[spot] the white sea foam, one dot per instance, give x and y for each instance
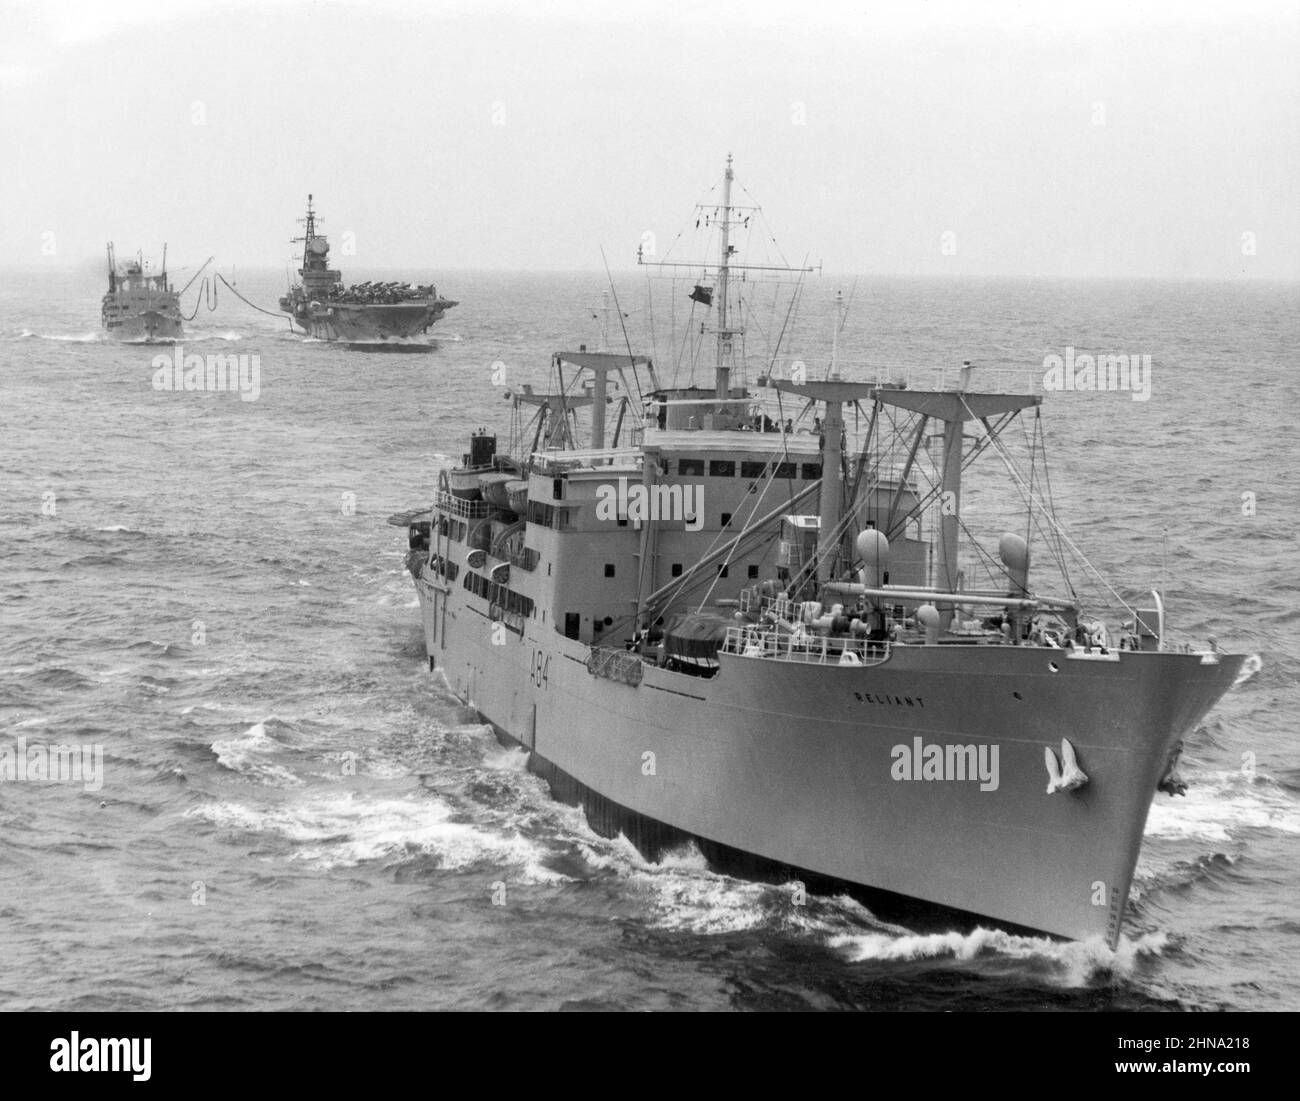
(1218, 806)
(344, 830)
(707, 904)
(682, 894)
(1249, 668)
(686, 896)
(1075, 963)
(507, 758)
(248, 753)
(209, 334)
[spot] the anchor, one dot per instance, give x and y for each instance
(1172, 783)
(1072, 777)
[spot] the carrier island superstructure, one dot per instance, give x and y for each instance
(705, 623)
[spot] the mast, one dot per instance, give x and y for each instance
(718, 296)
(832, 491)
(601, 314)
(949, 513)
(309, 234)
(649, 549)
(834, 371)
(724, 334)
(951, 409)
(834, 394)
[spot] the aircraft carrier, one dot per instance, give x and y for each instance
(390, 314)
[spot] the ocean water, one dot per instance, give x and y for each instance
(295, 814)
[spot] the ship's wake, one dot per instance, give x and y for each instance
(469, 806)
(346, 829)
(198, 336)
(62, 338)
(340, 810)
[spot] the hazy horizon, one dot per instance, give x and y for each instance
(1096, 140)
(188, 264)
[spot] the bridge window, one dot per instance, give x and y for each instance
(812, 471)
(722, 468)
(752, 469)
(690, 468)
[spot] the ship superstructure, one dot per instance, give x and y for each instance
(371, 314)
(717, 613)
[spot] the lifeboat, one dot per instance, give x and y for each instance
(517, 493)
(493, 488)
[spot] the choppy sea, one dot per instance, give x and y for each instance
(295, 814)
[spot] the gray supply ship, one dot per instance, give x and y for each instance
(140, 307)
(366, 314)
(711, 623)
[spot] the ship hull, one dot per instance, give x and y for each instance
(146, 327)
(653, 839)
(798, 764)
(371, 324)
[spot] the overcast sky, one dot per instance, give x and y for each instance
(1092, 139)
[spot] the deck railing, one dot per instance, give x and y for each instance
(557, 462)
(458, 506)
(980, 378)
(758, 642)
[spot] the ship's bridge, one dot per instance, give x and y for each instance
(704, 440)
(554, 464)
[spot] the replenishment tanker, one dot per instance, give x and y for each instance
(372, 314)
(140, 306)
(734, 620)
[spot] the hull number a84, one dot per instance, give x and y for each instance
(540, 671)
